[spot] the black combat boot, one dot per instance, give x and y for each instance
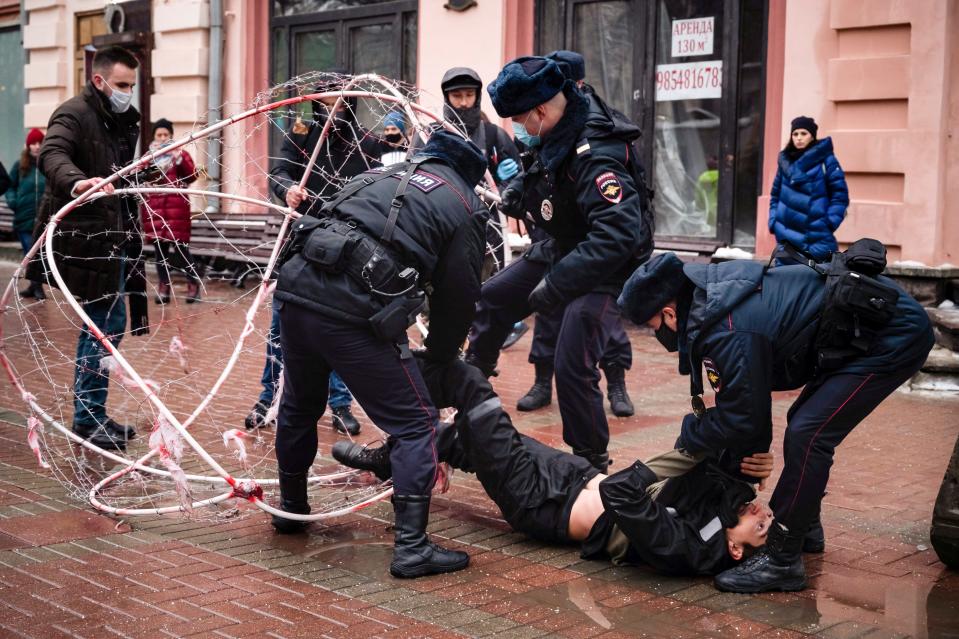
(815, 539)
(344, 422)
(487, 368)
(599, 461)
(776, 566)
(541, 394)
(292, 500)
(616, 392)
(376, 460)
(414, 555)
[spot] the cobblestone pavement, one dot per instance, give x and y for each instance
(66, 571)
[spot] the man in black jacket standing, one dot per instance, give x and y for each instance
(583, 189)
(97, 246)
(755, 331)
(354, 284)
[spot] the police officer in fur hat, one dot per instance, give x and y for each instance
(583, 189)
(755, 331)
(357, 277)
(618, 356)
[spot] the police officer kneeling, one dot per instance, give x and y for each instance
(851, 337)
(354, 284)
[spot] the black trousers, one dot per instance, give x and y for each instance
(584, 334)
(826, 411)
(390, 389)
(176, 254)
(618, 353)
(533, 485)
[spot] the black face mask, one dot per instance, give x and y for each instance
(667, 337)
(393, 138)
(469, 117)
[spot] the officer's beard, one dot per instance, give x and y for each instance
(468, 118)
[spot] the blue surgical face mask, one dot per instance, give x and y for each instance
(524, 136)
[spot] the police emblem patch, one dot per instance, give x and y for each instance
(546, 210)
(712, 374)
(609, 187)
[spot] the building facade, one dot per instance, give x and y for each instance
(713, 84)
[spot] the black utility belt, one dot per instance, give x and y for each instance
(335, 246)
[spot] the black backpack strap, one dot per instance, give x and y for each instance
(801, 257)
(357, 185)
(397, 203)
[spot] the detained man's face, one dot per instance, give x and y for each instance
(755, 518)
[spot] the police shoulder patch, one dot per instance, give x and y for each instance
(422, 180)
(712, 374)
(609, 187)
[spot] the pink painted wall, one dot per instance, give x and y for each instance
(880, 78)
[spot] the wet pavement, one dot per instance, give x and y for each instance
(68, 571)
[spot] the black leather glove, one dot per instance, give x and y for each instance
(545, 298)
(511, 201)
(488, 370)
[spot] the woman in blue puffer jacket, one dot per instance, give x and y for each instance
(809, 196)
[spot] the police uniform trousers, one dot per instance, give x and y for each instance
(618, 353)
(827, 410)
(534, 485)
(389, 388)
(587, 324)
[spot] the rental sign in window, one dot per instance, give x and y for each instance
(690, 80)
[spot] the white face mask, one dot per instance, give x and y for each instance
(119, 100)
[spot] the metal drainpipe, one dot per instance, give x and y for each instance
(215, 93)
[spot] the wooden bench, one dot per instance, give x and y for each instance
(232, 246)
(6, 217)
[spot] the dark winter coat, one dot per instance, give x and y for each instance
(24, 196)
(167, 216)
(347, 151)
(584, 188)
(754, 331)
(679, 532)
(808, 200)
(440, 232)
(86, 139)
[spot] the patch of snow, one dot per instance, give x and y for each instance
(731, 253)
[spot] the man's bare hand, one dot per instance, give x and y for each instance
(295, 196)
(85, 185)
(758, 465)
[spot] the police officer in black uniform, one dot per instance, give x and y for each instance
(755, 331)
(354, 284)
(618, 356)
(582, 188)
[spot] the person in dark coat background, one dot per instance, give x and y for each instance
(26, 188)
(166, 216)
(97, 247)
(809, 196)
(348, 150)
(755, 331)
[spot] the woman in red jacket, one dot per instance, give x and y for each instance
(166, 217)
